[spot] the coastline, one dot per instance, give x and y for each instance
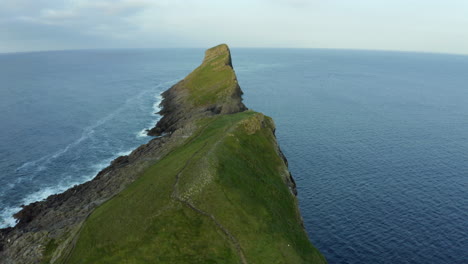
(93, 168)
(60, 218)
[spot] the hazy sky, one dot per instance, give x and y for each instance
(414, 25)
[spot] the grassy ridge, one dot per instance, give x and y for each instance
(214, 81)
(219, 198)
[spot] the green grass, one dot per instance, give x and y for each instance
(212, 82)
(229, 169)
(48, 251)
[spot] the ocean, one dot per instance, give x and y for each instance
(376, 141)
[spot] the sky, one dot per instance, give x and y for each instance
(404, 25)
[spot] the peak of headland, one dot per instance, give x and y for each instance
(221, 51)
(211, 89)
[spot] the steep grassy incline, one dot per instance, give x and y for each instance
(214, 81)
(221, 197)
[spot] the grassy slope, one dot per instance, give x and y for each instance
(229, 170)
(213, 81)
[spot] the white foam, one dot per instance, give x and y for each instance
(29, 164)
(142, 133)
(125, 153)
(6, 216)
(99, 166)
(156, 108)
(41, 163)
(43, 194)
(89, 131)
(86, 134)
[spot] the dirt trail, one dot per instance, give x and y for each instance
(175, 196)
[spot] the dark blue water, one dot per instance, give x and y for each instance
(65, 115)
(377, 141)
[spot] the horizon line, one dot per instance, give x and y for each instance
(237, 47)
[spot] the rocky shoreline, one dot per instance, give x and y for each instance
(63, 213)
(59, 218)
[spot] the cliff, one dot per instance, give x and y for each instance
(214, 188)
(211, 89)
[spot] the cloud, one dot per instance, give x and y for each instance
(296, 3)
(70, 24)
(80, 11)
(94, 21)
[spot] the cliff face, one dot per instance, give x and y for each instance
(214, 188)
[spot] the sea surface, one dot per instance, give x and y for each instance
(377, 141)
